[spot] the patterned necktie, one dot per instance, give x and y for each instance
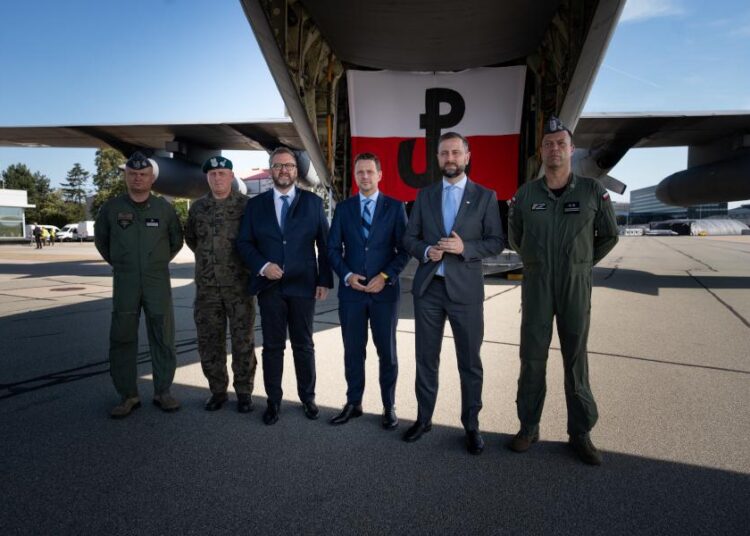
(367, 218)
(284, 211)
(449, 208)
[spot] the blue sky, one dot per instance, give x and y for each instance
(158, 61)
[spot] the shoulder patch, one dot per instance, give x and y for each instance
(605, 196)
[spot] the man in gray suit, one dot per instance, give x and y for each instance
(454, 224)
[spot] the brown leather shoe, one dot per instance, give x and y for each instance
(125, 408)
(523, 441)
(166, 402)
(585, 449)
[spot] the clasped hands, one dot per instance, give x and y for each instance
(452, 244)
(375, 285)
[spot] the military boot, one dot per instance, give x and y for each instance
(585, 449)
(125, 407)
(166, 402)
(523, 441)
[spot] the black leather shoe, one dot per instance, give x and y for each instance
(474, 442)
(215, 402)
(350, 411)
(416, 431)
(271, 415)
(389, 420)
(311, 409)
(244, 403)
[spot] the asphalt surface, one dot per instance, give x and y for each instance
(670, 369)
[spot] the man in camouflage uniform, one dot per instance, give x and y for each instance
(138, 234)
(221, 283)
(561, 225)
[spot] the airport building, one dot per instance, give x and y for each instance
(12, 217)
(645, 207)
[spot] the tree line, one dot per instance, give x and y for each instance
(68, 203)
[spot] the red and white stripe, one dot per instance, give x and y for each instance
(384, 110)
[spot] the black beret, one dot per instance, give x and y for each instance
(138, 161)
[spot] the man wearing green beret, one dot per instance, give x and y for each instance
(221, 283)
(138, 234)
(561, 225)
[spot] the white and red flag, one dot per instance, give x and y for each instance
(399, 115)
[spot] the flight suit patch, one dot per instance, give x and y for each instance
(152, 222)
(539, 206)
(124, 219)
(572, 207)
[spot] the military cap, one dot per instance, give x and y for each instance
(217, 162)
(138, 160)
(553, 124)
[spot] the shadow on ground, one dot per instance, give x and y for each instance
(196, 472)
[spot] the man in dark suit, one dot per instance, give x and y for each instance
(365, 250)
(454, 224)
(277, 241)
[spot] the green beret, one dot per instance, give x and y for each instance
(216, 162)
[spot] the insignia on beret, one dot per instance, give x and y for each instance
(138, 161)
(217, 162)
(553, 124)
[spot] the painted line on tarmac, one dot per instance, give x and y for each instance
(725, 304)
(688, 256)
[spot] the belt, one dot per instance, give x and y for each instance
(439, 277)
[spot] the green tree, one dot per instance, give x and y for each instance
(107, 180)
(74, 189)
(181, 207)
(58, 212)
(19, 177)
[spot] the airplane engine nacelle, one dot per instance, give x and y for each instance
(177, 178)
(727, 180)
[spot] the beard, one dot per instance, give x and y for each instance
(282, 181)
(452, 170)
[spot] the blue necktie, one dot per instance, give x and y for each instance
(449, 208)
(284, 211)
(366, 218)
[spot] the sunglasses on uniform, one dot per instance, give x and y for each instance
(287, 167)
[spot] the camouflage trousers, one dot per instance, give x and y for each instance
(212, 307)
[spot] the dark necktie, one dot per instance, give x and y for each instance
(367, 218)
(284, 211)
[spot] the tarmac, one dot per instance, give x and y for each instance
(669, 354)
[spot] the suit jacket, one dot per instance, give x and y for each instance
(382, 251)
(260, 241)
(477, 223)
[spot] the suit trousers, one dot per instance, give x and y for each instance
(467, 322)
(383, 317)
(277, 313)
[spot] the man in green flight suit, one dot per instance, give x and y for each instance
(138, 234)
(561, 225)
(221, 287)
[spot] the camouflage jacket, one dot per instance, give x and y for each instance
(211, 230)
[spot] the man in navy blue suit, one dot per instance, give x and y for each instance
(278, 236)
(365, 250)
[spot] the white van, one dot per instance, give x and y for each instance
(69, 233)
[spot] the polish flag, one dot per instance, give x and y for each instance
(395, 112)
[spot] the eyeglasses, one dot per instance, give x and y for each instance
(287, 167)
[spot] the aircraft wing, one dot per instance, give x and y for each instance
(640, 130)
(718, 144)
(262, 135)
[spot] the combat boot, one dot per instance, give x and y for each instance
(523, 441)
(585, 449)
(166, 402)
(125, 407)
